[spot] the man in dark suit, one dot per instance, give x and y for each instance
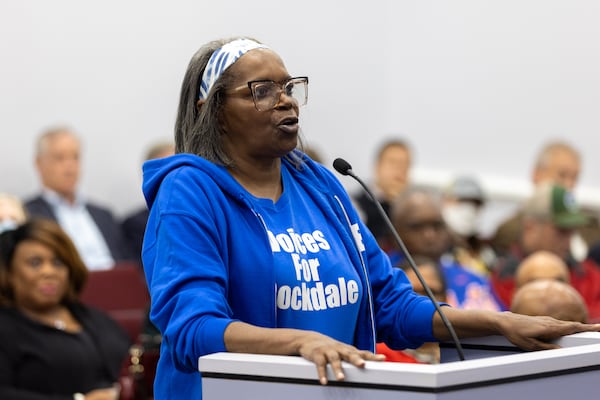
(93, 228)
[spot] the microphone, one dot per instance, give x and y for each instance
(343, 167)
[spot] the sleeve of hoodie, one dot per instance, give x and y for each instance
(402, 317)
(185, 270)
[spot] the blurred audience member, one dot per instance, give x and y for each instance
(541, 264)
(134, 224)
(463, 202)
(550, 217)
(52, 346)
(560, 163)
(93, 229)
(428, 353)
(392, 167)
(12, 212)
(417, 216)
(551, 298)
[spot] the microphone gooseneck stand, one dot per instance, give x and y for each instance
(343, 167)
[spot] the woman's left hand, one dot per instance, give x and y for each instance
(537, 333)
(526, 332)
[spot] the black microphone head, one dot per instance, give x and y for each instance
(342, 166)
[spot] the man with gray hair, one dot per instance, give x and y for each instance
(93, 229)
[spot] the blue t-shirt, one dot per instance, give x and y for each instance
(464, 288)
(317, 286)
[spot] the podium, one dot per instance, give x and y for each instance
(493, 369)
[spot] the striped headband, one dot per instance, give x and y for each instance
(222, 59)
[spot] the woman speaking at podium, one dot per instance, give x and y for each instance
(253, 247)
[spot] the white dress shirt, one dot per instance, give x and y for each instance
(77, 222)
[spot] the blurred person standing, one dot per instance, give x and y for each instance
(93, 228)
(392, 167)
(52, 345)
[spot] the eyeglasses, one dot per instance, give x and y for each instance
(436, 225)
(267, 93)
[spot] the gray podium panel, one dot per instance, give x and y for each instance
(493, 369)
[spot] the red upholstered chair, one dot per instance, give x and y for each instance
(122, 293)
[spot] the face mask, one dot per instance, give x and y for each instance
(462, 218)
(8, 225)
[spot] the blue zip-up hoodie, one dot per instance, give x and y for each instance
(208, 262)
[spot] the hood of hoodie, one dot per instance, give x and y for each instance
(155, 171)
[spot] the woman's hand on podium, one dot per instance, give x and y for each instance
(537, 333)
(323, 350)
(526, 332)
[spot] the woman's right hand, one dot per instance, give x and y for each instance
(323, 350)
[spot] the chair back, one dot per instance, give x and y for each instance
(122, 293)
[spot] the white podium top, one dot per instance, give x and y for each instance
(579, 353)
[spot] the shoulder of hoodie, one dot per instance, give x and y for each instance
(183, 167)
(192, 166)
(178, 162)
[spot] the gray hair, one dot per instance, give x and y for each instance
(47, 135)
(198, 131)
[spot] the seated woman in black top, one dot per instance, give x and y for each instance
(51, 345)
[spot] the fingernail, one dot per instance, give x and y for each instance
(340, 375)
(323, 381)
